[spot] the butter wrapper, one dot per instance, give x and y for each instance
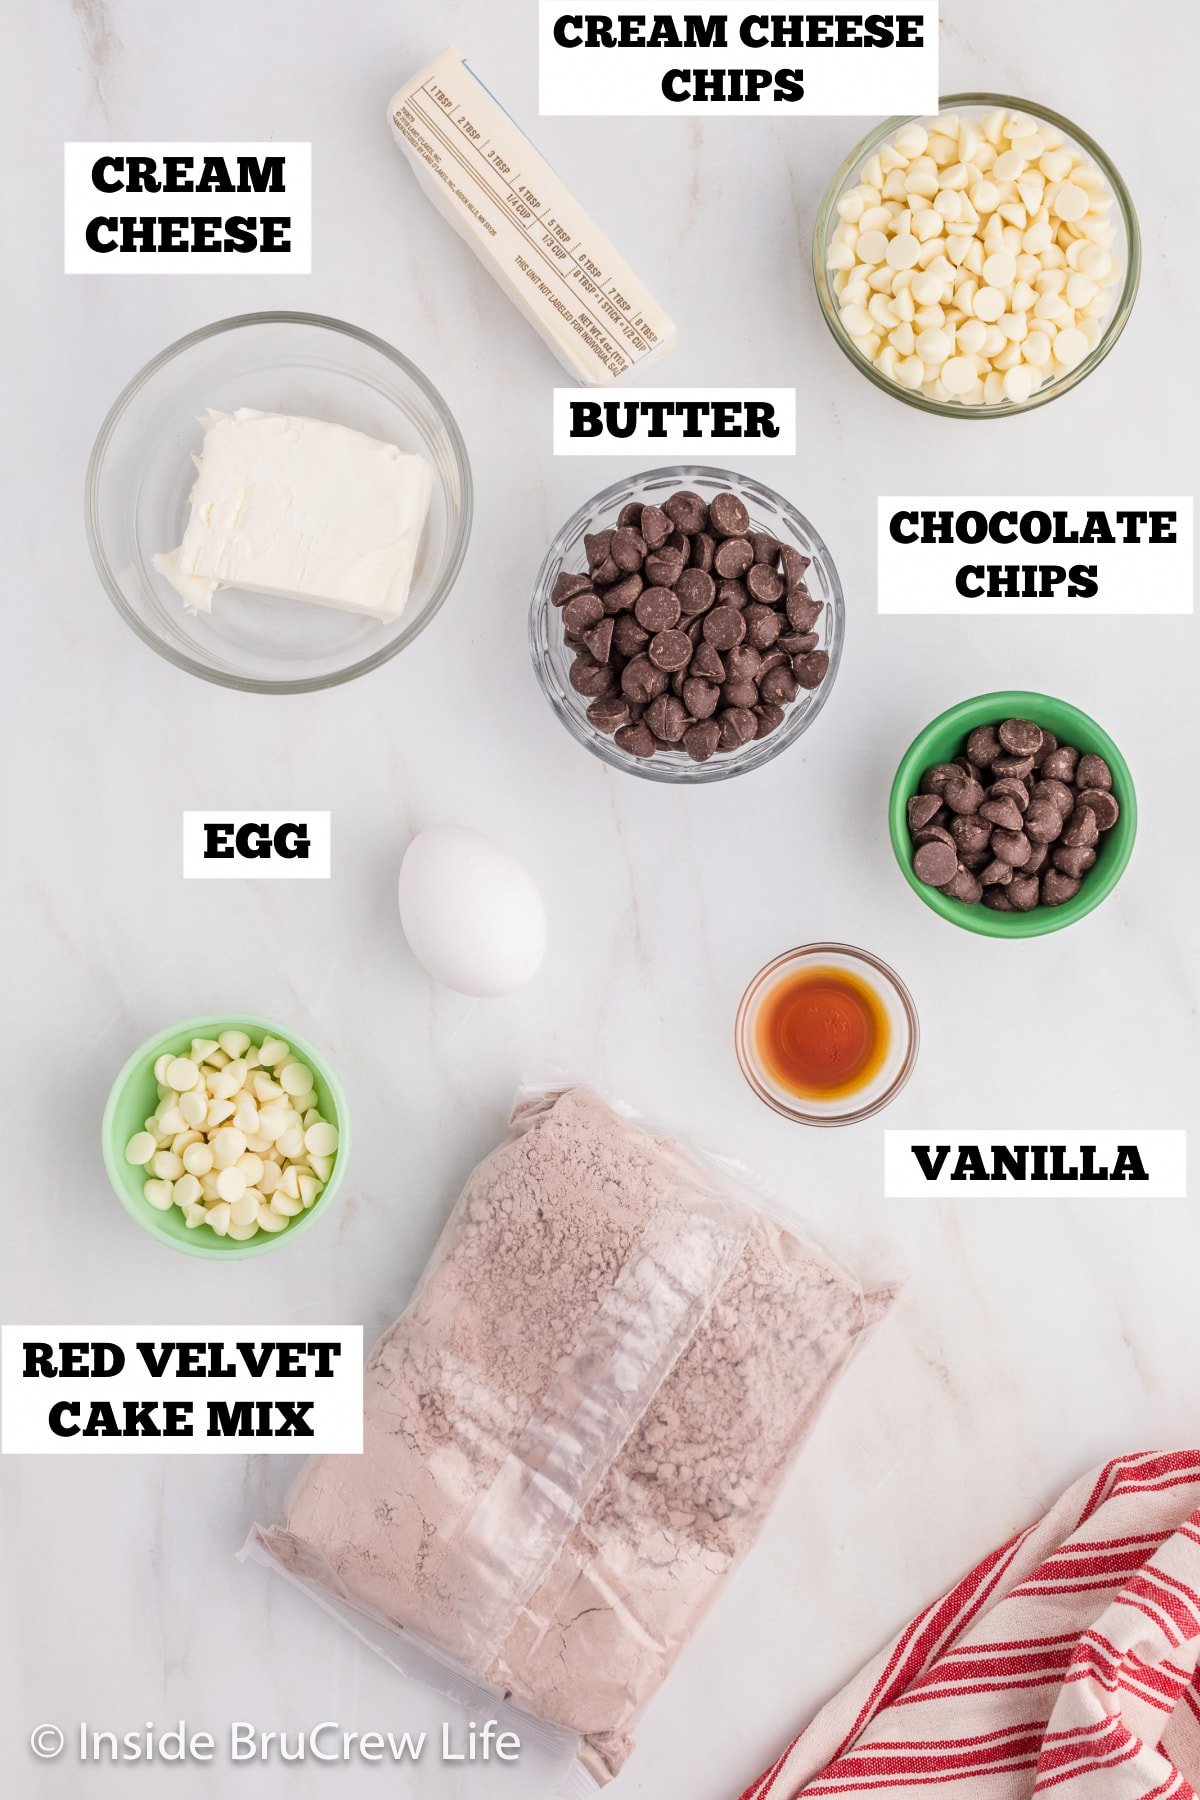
(527, 229)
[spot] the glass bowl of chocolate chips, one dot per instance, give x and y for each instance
(687, 624)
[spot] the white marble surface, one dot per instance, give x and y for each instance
(1033, 1340)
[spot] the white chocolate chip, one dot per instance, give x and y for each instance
(295, 1078)
(198, 1160)
(140, 1148)
(227, 1145)
(322, 1139)
(911, 140)
(1018, 382)
(1070, 202)
(193, 1106)
(186, 1192)
(291, 1141)
(244, 1210)
(959, 375)
(933, 346)
(182, 1074)
(231, 1184)
(245, 1115)
(1070, 347)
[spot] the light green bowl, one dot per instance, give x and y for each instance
(944, 739)
(133, 1098)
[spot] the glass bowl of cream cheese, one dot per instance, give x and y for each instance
(278, 502)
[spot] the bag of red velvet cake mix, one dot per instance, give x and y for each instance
(575, 1429)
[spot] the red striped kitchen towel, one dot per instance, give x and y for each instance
(1067, 1660)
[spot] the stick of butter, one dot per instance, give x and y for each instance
(526, 228)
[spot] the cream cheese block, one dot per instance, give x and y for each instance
(301, 509)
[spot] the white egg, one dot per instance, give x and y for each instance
(473, 917)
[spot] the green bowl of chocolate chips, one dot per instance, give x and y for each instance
(944, 739)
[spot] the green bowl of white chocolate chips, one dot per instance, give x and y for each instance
(980, 262)
(226, 1136)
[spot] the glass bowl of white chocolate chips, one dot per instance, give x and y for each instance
(978, 263)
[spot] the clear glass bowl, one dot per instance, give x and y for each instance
(141, 473)
(903, 1043)
(1127, 248)
(769, 512)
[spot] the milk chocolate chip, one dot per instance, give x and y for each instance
(686, 511)
(608, 714)
(641, 681)
(778, 687)
(599, 640)
(701, 697)
(657, 609)
(566, 585)
(724, 627)
(628, 549)
(733, 558)
(921, 809)
(935, 863)
(1021, 736)
(695, 591)
(764, 583)
(728, 515)
(1102, 804)
(592, 679)
(638, 740)
(670, 650)
(810, 671)
(702, 739)
(582, 611)
(983, 746)
(1057, 887)
(667, 718)
(1093, 772)
(654, 526)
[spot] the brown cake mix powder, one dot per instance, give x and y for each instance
(581, 1420)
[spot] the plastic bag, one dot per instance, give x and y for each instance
(577, 1427)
